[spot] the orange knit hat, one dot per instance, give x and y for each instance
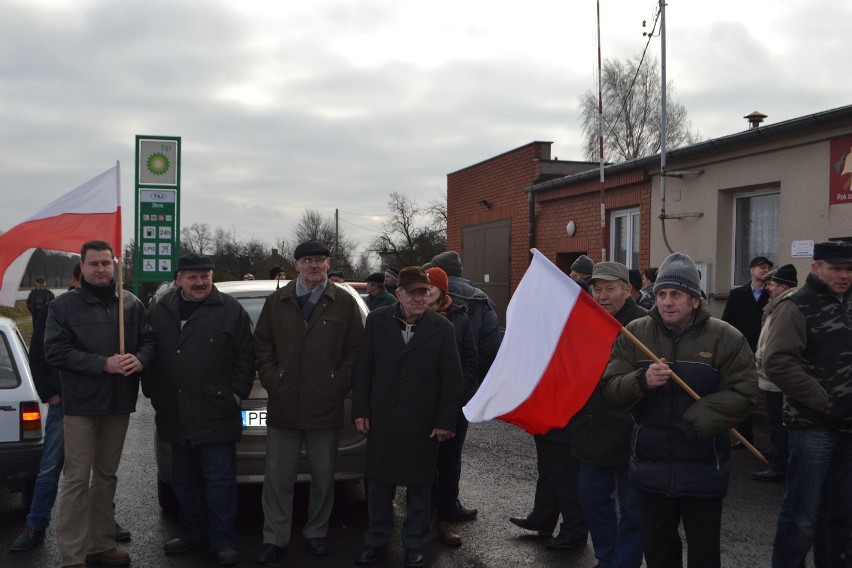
(437, 277)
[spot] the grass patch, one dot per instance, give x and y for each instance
(22, 317)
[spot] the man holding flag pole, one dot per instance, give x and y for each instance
(680, 448)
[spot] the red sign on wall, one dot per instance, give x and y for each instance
(840, 171)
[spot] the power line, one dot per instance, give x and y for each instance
(359, 226)
(364, 214)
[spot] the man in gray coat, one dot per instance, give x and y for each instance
(406, 396)
(203, 371)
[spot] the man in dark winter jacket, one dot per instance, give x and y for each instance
(378, 296)
(744, 311)
(38, 298)
(808, 355)
(600, 437)
(406, 398)
(100, 385)
(204, 369)
(680, 447)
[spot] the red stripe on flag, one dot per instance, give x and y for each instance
(574, 370)
(66, 232)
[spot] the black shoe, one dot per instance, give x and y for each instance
(269, 554)
(563, 542)
(770, 474)
(527, 523)
(414, 557)
(121, 533)
(178, 546)
(370, 555)
(460, 514)
(318, 546)
(27, 539)
(227, 556)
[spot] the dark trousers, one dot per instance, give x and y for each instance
(556, 490)
(204, 479)
(778, 451)
(702, 524)
(446, 489)
(415, 529)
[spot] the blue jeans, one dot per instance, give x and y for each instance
(817, 506)
(617, 542)
(47, 482)
(204, 479)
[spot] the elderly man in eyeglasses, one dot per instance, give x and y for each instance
(306, 342)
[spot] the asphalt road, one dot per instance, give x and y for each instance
(498, 479)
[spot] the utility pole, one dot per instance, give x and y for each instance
(337, 234)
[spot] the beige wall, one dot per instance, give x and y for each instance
(798, 167)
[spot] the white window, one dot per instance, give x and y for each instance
(624, 237)
(757, 231)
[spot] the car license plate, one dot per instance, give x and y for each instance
(254, 418)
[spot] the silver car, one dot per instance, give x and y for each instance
(251, 450)
(21, 415)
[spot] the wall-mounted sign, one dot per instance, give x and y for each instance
(802, 249)
(158, 162)
(840, 171)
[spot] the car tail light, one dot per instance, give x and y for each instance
(30, 421)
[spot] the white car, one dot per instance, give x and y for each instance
(21, 415)
(251, 449)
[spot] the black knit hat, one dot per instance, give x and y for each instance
(786, 275)
(583, 265)
(678, 271)
(635, 278)
(449, 261)
(376, 278)
(274, 272)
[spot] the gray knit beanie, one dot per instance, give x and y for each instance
(583, 265)
(678, 271)
(449, 261)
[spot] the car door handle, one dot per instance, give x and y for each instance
(7, 408)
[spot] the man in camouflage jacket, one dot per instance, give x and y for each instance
(808, 354)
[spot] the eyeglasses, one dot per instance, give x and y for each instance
(308, 260)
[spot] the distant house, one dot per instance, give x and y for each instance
(769, 190)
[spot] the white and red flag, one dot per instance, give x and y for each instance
(92, 211)
(557, 344)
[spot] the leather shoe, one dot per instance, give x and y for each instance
(121, 533)
(370, 555)
(27, 539)
(461, 514)
(414, 557)
(529, 524)
(448, 533)
(770, 474)
(318, 546)
(178, 546)
(269, 554)
(111, 557)
(227, 556)
(563, 542)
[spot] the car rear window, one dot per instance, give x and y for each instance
(253, 307)
(9, 378)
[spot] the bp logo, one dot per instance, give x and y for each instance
(158, 164)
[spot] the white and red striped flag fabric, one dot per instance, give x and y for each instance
(555, 349)
(91, 211)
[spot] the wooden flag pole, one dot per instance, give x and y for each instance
(733, 431)
(120, 285)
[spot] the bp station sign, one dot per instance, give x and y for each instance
(157, 208)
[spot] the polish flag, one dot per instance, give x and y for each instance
(557, 344)
(90, 212)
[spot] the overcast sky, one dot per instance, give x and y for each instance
(324, 104)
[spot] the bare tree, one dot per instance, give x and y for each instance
(632, 113)
(404, 241)
(197, 238)
(313, 226)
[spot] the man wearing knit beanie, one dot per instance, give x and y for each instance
(679, 462)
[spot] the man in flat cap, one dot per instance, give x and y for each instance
(808, 355)
(204, 369)
(679, 463)
(744, 311)
(306, 341)
(406, 398)
(378, 296)
(778, 282)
